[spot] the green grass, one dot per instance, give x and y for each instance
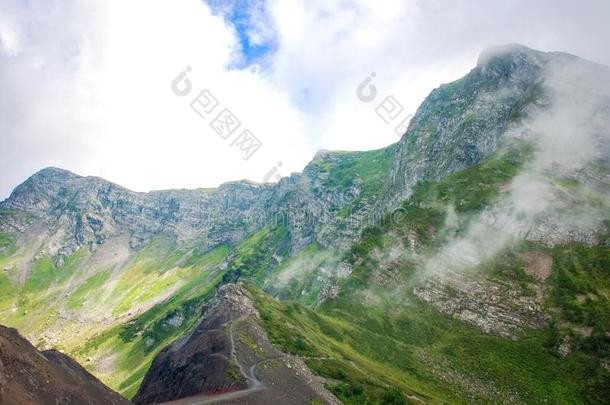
(474, 188)
(134, 345)
(7, 248)
(424, 213)
(140, 284)
(376, 348)
(400, 343)
(145, 271)
(148, 288)
(581, 270)
(210, 258)
(44, 274)
(41, 275)
(90, 287)
(341, 170)
(579, 287)
(72, 264)
(253, 259)
(298, 330)
(6, 241)
(7, 292)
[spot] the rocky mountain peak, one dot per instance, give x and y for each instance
(54, 173)
(513, 52)
(41, 191)
(462, 122)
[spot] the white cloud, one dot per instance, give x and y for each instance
(86, 85)
(111, 112)
(9, 44)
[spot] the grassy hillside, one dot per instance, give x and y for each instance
(375, 341)
(414, 349)
(379, 337)
(339, 170)
(113, 316)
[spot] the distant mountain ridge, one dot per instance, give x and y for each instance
(458, 125)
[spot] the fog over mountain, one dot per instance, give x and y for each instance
(569, 132)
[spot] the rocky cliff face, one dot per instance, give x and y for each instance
(458, 125)
(70, 211)
(461, 123)
(85, 211)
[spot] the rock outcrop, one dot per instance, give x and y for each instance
(504, 310)
(28, 376)
(228, 357)
(461, 123)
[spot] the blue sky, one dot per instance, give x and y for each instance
(253, 27)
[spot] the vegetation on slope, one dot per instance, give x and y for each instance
(340, 170)
(373, 342)
(378, 337)
(113, 320)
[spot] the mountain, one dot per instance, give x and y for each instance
(469, 262)
(28, 376)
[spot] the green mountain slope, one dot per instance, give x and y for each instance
(383, 295)
(466, 263)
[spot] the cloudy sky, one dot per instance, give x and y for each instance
(87, 85)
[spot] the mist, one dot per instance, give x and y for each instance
(570, 135)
